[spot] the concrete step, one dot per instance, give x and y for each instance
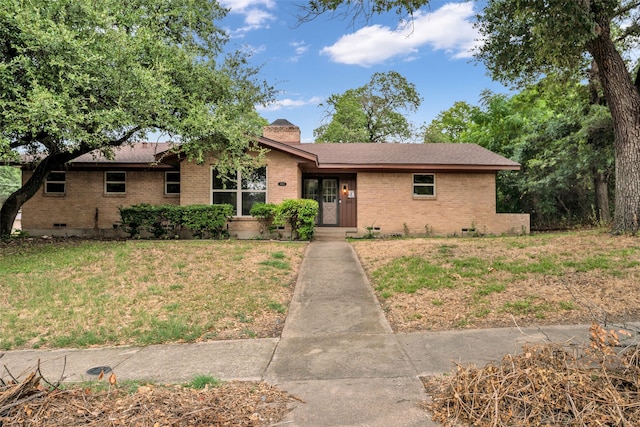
(333, 233)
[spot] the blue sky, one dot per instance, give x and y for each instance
(310, 62)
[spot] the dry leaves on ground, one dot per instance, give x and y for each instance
(545, 385)
(32, 403)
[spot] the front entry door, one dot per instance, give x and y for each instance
(329, 203)
(335, 197)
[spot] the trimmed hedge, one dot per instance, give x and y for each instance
(164, 221)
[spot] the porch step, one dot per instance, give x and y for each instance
(333, 233)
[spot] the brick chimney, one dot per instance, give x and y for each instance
(282, 130)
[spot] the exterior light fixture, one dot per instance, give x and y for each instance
(345, 189)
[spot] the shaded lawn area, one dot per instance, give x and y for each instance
(449, 283)
(75, 293)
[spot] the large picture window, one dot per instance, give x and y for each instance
(424, 185)
(115, 182)
(252, 189)
(56, 183)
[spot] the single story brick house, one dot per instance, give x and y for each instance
(440, 189)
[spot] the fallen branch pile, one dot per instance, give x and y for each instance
(29, 403)
(545, 385)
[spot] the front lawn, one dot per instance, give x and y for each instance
(448, 283)
(74, 293)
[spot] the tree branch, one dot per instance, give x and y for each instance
(627, 8)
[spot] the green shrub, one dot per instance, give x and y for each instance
(163, 221)
(206, 220)
(300, 214)
(264, 213)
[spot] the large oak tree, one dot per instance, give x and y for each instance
(525, 40)
(78, 76)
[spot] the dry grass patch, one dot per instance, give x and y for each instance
(84, 293)
(446, 283)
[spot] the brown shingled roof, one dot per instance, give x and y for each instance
(359, 156)
(141, 152)
(406, 156)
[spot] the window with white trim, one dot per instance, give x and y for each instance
(115, 182)
(424, 185)
(252, 189)
(56, 183)
(172, 182)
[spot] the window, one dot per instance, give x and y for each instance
(252, 189)
(172, 183)
(56, 183)
(115, 182)
(424, 185)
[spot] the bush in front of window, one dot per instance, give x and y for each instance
(300, 214)
(164, 221)
(206, 220)
(264, 213)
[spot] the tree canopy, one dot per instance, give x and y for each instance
(79, 76)
(371, 113)
(564, 143)
(525, 41)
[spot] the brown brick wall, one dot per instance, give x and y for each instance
(286, 134)
(463, 200)
(84, 194)
(195, 183)
(282, 168)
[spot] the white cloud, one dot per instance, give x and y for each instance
(256, 13)
(300, 48)
(448, 28)
(288, 103)
(240, 6)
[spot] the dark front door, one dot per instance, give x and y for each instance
(348, 208)
(336, 200)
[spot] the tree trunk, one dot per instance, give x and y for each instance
(624, 102)
(602, 197)
(600, 178)
(15, 201)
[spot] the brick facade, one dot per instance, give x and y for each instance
(85, 209)
(462, 201)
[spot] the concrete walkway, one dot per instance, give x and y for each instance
(337, 352)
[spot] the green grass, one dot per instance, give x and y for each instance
(277, 260)
(87, 293)
(200, 382)
(408, 274)
(490, 288)
(495, 278)
(527, 306)
(446, 269)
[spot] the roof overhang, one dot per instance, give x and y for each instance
(349, 167)
(289, 149)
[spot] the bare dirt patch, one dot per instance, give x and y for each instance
(529, 280)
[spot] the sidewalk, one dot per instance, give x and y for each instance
(337, 352)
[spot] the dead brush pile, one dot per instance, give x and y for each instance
(34, 402)
(545, 385)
